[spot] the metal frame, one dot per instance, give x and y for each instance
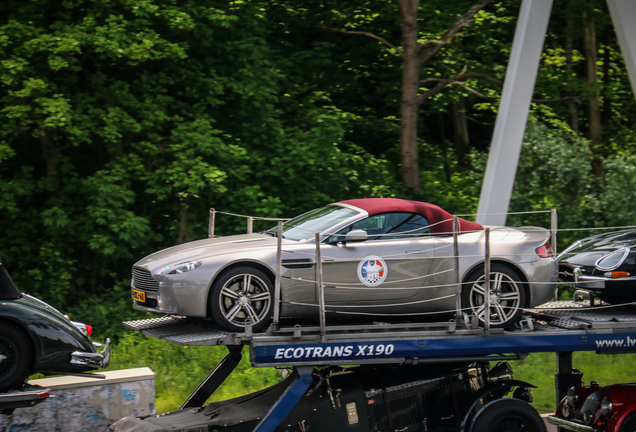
(513, 112)
(521, 75)
(287, 401)
(212, 382)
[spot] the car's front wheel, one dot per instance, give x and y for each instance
(16, 357)
(242, 296)
(507, 295)
(629, 424)
(506, 415)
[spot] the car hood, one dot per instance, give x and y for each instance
(206, 248)
(588, 251)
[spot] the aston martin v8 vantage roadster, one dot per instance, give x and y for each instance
(381, 258)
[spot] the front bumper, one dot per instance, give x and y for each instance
(575, 278)
(569, 425)
(601, 283)
(95, 360)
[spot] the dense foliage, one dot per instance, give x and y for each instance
(122, 123)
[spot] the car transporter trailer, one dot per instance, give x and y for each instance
(561, 327)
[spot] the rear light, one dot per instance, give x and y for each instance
(84, 328)
(616, 274)
(544, 251)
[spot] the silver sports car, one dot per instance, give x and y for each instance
(382, 258)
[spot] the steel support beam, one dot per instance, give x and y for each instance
(212, 382)
(623, 13)
(286, 402)
(513, 111)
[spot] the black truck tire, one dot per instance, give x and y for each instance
(505, 415)
(17, 357)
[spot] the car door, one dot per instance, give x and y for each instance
(390, 267)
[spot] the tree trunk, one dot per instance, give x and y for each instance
(183, 221)
(410, 87)
(594, 103)
(460, 128)
(442, 139)
(51, 154)
(569, 67)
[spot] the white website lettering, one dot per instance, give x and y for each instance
(625, 342)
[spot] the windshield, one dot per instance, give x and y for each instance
(305, 226)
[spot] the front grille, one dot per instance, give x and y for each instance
(142, 279)
(590, 404)
(566, 273)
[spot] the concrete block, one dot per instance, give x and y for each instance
(80, 404)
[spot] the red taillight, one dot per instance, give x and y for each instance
(89, 330)
(544, 251)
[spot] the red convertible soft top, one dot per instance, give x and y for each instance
(441, 221)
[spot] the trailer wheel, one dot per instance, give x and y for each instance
(242, 296)
(507, 295)
(17, 358)
(629, 425)
(506, 415)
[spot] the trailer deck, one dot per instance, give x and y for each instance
(560, 327)
(29, 395)
(564, 326)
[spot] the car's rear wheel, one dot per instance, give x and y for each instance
(242, 296)
(506, 415)
(629, 425)
(16, 355)
(507, 295)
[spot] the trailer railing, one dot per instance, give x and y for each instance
(319, 282)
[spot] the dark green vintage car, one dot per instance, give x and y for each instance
(36, 338)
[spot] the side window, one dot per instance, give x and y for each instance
(382, 226)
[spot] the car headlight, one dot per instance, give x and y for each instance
(566, 410)
(613, 260)
(587, 417)
(571, 397)
(606, 406)
(181, 268)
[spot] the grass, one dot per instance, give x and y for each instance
(539, 369)
(179, 369)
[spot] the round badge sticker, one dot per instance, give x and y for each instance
(372, 271)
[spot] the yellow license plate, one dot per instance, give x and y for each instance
(139, 296)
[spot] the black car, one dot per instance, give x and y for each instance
(441, 397)
(604, 264)
(36, 338)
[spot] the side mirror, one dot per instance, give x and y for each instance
(356, 236)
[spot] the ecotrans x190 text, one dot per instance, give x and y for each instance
(338, 351)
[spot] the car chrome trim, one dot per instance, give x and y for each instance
(95, 360)
(570, 425)
(598, 282)
(626, 251)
